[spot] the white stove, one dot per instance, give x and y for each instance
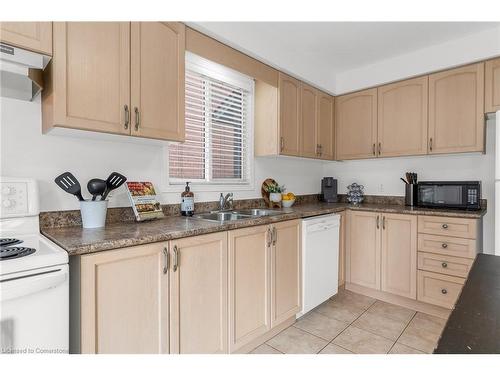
(34, 276)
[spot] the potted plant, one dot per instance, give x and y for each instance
(275, 192)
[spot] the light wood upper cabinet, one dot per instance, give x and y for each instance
(356, 125)
(325, 128)
(157, 80)
(492, 85)
(308, 122)
(34, 36)
(289, 115)
(124, 301)
(363, 249)
(249, 285)
(399, 255)
(198, 295)
(402, 118)
(118, 78)
(286, 271)
(89, 77)
(456, 110)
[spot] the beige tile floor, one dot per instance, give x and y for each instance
(351, 323)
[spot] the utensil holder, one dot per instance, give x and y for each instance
(411, 194)
(93, 213)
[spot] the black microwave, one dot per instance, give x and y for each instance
(449, 194)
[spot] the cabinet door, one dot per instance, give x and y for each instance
(289, 111)
(34, 36)
(492, 85)
(342, 248)
(157, 74)
(399, 255)
(249, 285)
(363, 249)
(456, 110)
(124, 301)
(308, 122)
(91, 76)
(356, 125)
(325, 126)
(402, 118)
(285, 272)
(198, 294)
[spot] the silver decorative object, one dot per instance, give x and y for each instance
(355, 193)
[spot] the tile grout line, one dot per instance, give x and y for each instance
(401, 334)
(267, 343)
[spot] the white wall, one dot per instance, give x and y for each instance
(25, 152)
(381, 176)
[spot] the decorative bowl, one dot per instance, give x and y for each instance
(287, 203)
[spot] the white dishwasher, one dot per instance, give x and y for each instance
(320, 260)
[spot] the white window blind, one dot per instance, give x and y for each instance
(218, 124)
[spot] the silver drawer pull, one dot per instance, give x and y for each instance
(444, 226)
(444, 245)
(444, 291)
(166, 259)
(444, 264)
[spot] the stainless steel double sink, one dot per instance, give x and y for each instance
(233, 215)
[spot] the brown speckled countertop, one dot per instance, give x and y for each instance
(76, 240)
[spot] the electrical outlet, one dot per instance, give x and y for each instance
(381, 188)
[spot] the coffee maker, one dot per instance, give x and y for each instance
(329, 190)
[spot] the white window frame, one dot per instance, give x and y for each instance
(224, 74)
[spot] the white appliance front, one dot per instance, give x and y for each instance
(34, 315)
(320, 260)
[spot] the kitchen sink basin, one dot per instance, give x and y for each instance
(224, 216)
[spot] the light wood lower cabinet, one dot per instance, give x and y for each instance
(399, 255)
(492, 86)
(286, 271)
(34, 36)
(249, 285)
(456, 110)
(342, 248)
(124, 301)
(117, 78)
(198, 295)
(363, 249)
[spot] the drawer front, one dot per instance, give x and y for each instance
(444, 264)
(448, 226)
(445, 245)
(437, 289)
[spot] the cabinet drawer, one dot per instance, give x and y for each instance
(460, 247)
(444, 264)
(437, 289)
(448, 226)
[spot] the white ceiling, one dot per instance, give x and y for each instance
(318, 51)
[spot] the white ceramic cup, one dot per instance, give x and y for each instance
(93, 213)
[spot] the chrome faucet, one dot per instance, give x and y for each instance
(226, 202)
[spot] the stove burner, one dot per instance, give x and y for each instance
(9, 241)
(13, 252)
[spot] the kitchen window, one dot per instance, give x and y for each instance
(218, 149)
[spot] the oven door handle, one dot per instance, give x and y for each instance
(26, 285)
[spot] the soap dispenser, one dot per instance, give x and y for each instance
(187, 201)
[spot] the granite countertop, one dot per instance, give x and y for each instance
(76, 240)
(474, 324)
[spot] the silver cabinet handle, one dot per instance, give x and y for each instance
(275, 236)
(444, 245)
(127, 116)
(320, 149)
(378, 222)
(430, 144)
(176, 258)
(373, 150)
(444, 291)
(166, 260)
(282, 143)
(137, 118)
(269, 237)
(379, 148)
(444, 264)
(383, 222)
(444, 226)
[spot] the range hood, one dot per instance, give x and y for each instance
(21, 72)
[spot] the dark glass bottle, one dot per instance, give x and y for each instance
(187, 201)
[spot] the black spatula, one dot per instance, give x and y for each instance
(69, 184)
(115, 180)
